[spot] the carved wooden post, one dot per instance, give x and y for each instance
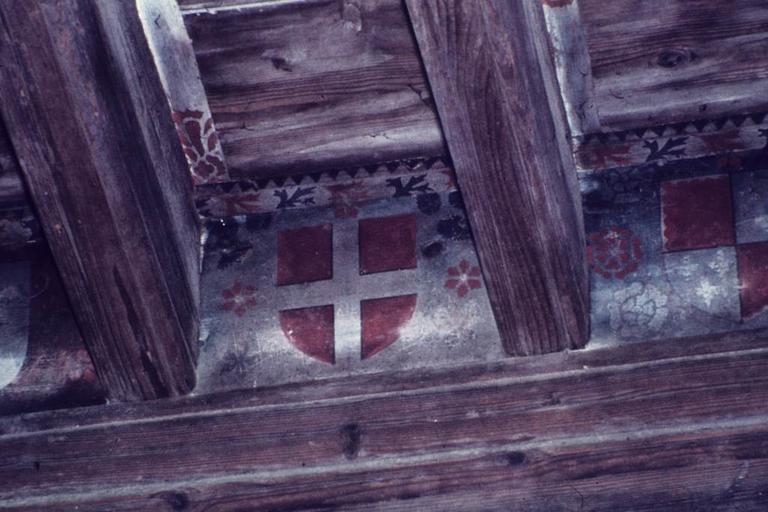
(92, 130)
(491, 74)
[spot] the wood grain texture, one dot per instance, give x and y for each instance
(313, 84)
(689, 471)
(661, 61)
(663, 433)
(504, 125)
(176, 64)
(92, 131)
(573, 67)
(637, 355)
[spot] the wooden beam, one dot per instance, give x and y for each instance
(354, 387)
(491, 74)
(92, 130)
(428, 441)
(573, 66)
(660, 62)
(695, 469)
(177, 66)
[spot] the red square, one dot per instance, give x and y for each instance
(752, 260)
(387, 243)
(697, 213)
(305, 255)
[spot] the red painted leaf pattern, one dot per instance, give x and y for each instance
(201, 146)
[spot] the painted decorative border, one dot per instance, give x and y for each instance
(343, 189)
(679, 141)
(177, 66)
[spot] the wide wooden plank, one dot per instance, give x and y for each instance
(311, 85)
(695, 416)
(692, 469)
(572, 65)
(92, 130)
(490, 72)
(637, 355)
(664, 61)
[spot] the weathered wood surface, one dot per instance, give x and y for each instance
(692, 470)
(57, 371)
(573, 66)
(177, 66)
(92, 131)
(638, 355)
(313, 84)
(505, 135)
(656, 434)
(653, 63)
(661, 61)
(347, 99)
(696, 470)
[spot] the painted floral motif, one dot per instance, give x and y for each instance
(638, 311)
(463, 278)
(346, 198)
(238, 298)
(665, 143)
(346, 190)
(201, 146)
(672, 148)
(298, 196)
(414, 185)
(236, 364)
(614, 252)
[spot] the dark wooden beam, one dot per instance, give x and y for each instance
(491, 75)
(647, 424)
(92, 130)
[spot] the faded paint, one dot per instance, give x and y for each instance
(14, 319)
